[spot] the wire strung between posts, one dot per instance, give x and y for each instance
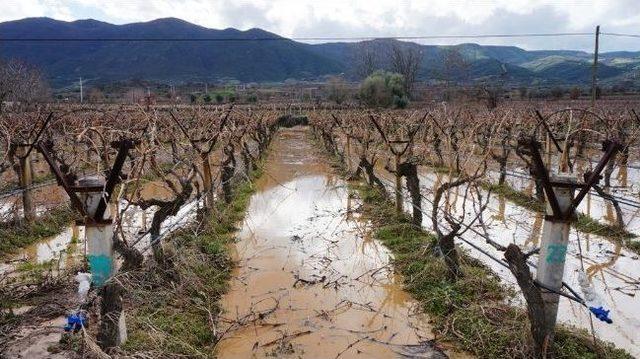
(18, 191)
(619, 34)
(621, 200)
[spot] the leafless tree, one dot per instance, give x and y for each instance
(454, 66)
(366, 58)
(21, 82)
(406, 60)
(337, 89)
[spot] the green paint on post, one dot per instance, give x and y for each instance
(101, 267)
(556, 253)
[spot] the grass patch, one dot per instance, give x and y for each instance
(18, 235)
(473, 312)
(173, 312)
(518, 197)
(634, 246)
(587, 224)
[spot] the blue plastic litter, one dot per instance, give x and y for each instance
(601, 314)
(75, 322)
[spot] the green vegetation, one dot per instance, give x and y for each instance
(18, 235)
(174, 311)
(384, 89)
(517, 197)
(471, 313)
(587, 224)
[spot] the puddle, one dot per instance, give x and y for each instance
(35, 341)
(310, 281)
(68, 248)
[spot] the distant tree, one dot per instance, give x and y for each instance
(366, 59)
(405, 60)
(232, 97)
(95, 95)
(193, 98)
(252, 98)
(523, 92)
(219, 97)
(207, 98)
(575, 93)
(21, 82)
(337, 89)
(557, 93)
(490, 94)
(383, 89)
(454, 65)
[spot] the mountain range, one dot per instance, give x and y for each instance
(256, 55)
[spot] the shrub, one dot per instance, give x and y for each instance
(381, 88)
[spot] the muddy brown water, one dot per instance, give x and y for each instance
(310, 280)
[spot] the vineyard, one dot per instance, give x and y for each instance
(320, 231)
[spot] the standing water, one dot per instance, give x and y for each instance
(310, 281)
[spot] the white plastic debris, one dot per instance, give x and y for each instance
(84, 283)
(591, 298)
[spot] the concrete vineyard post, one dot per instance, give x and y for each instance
(398, 184)
(348, 154)
(26, 180)
(553, 249)
(99, 234)
(100, 254)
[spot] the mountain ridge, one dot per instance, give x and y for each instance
(243, 55)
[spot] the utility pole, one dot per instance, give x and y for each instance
(81, 89)
(594, 73)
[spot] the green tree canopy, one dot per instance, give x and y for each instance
(383, 89)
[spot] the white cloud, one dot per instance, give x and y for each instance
(366, 17)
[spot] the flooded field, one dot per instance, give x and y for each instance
(310, 280)
(614, 270)
(64, 250)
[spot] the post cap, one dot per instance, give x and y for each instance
(91, 181)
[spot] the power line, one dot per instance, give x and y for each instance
(315, 38)
(620, 35)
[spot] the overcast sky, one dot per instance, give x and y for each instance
(345, 18)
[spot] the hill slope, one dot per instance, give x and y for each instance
(160, 60)
(261, 56)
